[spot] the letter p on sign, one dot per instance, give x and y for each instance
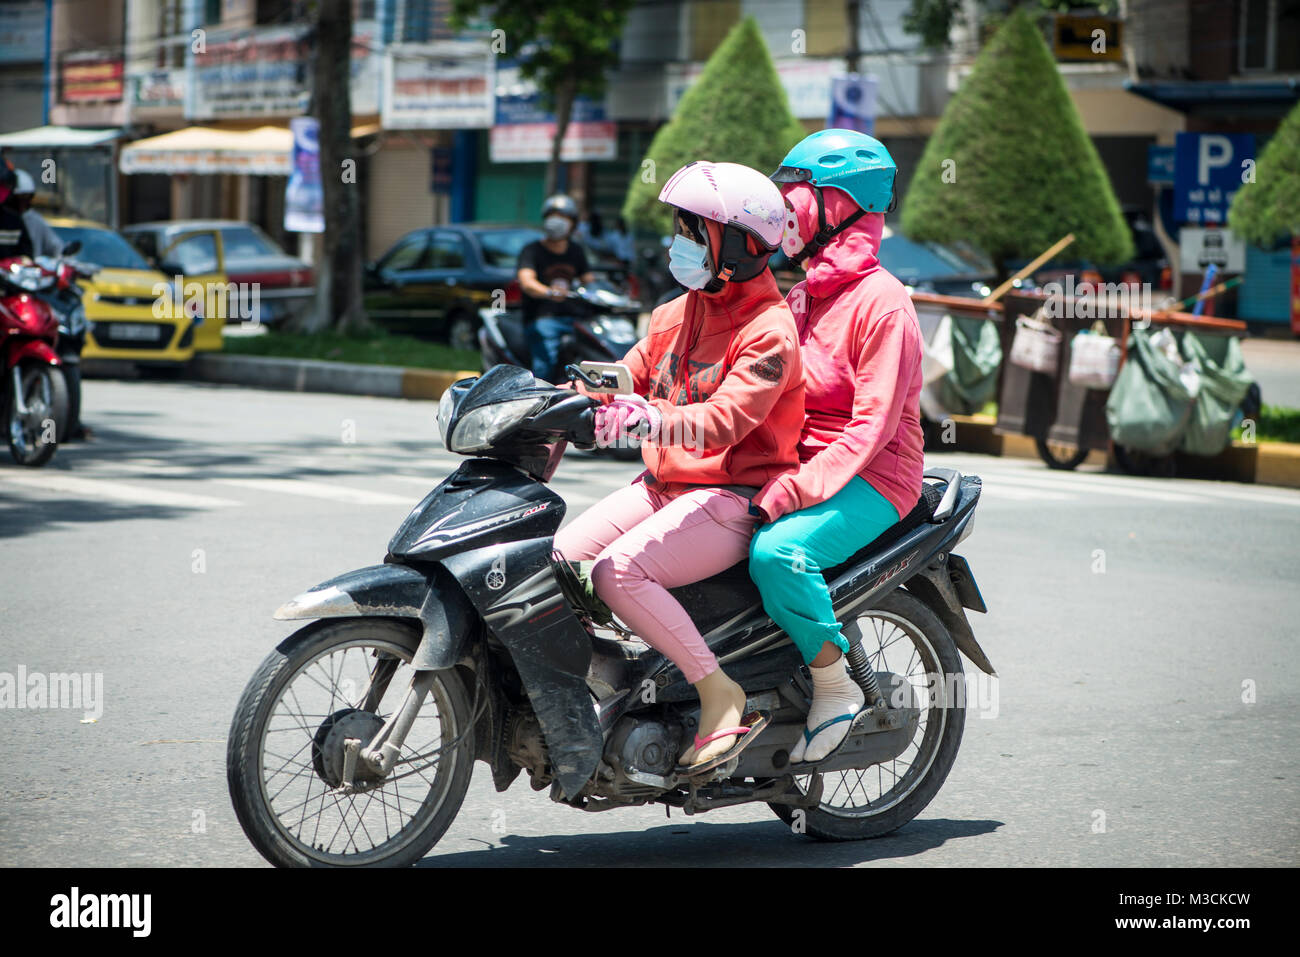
(1215, 153)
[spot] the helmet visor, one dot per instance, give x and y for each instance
(791, 174)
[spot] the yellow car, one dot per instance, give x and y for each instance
(133, 310)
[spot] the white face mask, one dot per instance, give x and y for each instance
(688, 261)
(791, 241)
(555, 227)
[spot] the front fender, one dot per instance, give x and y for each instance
(37, 349)
(395, 591)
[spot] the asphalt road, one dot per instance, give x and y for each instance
(1144, 632)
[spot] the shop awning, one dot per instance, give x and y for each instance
(264, 151)
(1206, 97)
(56, 136)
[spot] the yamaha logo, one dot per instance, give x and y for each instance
(496, 576)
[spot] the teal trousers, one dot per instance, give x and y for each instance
(788, 556)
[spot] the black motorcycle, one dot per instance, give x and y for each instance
(604, 330)
(354, 741)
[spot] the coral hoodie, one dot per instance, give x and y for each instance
(862, 368)
(725, 372)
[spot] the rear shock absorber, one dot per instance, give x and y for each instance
(862, 674)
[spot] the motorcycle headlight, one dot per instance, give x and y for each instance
(446, 407)
(31, 278)
(615, 329)
(478, 430)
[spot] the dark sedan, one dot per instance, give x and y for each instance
(432, 282)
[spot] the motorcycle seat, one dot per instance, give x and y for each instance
(729, 593)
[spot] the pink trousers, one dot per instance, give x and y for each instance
(644, 544)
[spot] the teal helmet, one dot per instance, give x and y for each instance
(848, 160)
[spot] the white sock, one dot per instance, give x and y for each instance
(834, 693)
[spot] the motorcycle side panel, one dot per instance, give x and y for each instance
(482, 503)
(394, 591)
(514, 589)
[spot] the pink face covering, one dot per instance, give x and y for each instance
(849, 253)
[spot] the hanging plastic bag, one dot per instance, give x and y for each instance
(1035, 344)
(976, 357)
(1094, 358)
(1223, 383)
(936, 358)
(1149, 406)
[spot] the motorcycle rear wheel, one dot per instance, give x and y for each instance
(911, 641)
(45, 393)
(323, 672)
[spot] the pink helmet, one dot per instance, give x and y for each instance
(730, 194)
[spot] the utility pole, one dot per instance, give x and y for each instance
(854, 11)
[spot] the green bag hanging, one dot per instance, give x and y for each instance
(1148, 407)
(976, 356)
(1224, 382)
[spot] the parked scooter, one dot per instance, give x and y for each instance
(354, 741)
(64, 298)
(35, 395)
(604, 331)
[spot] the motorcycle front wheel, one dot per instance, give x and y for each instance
(332, 681)
(900, 635)
(33, 436)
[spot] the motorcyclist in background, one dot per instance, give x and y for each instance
(45, 241)
(15, 240)
(549, 268)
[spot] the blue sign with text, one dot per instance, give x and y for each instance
(1209, 168)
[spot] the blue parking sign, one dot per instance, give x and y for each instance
(1209, 168)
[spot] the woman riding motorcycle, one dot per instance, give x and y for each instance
(860, 451)
(721, 367)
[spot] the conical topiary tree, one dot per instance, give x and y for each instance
(1269, 207)
(1010, 167)
(736, 111)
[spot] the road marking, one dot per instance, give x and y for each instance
(305, 488)
(1076, 484)
(103, 489)
(1024, 494)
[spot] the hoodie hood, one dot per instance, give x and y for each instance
(851, 254)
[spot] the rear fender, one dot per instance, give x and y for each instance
(933, 584)
(395, 591)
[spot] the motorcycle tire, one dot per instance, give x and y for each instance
(30, 450)
(247, 749)
(828, 823)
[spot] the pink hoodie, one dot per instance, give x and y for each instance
(861, 350)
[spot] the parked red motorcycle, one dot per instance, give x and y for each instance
(35, 394)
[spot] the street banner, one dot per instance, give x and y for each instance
(524, 131)
(448, 85)
(304, 197)
(265, 71)
(1199, 248)
(1209, 168)
(807, 83)
(853, 103)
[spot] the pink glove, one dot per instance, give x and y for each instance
(626, 415)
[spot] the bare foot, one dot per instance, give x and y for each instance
(722, 705)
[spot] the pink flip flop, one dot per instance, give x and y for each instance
(753, 723)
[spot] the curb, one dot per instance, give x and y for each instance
(319, 375)
(1260, 463)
